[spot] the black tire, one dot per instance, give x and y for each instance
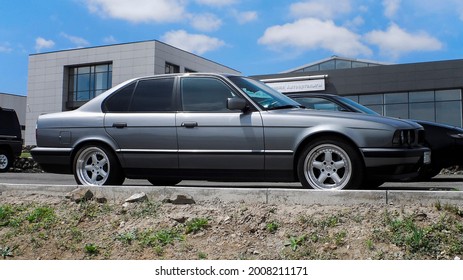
(163, 182)
(97, 166)
(330, 164)
(6, 160)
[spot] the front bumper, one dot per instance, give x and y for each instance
(53, 160)
(395, 163)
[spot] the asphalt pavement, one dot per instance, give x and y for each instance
(440, 182)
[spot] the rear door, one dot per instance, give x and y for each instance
(141, 119)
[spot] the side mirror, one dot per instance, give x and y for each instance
(236, 103)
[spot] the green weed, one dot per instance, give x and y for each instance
(196, 225)
(296, 242)
(272, 227)
(91, 249)
(6, 252)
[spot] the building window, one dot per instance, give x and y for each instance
(172, 68)
(86, 82)
(441, 106)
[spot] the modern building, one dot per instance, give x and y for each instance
(17, 103)
(423, 91)
(64, 80)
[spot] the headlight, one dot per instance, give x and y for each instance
(456, 135)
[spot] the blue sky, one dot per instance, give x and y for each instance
(252, 36)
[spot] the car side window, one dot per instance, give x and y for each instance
(205, 95)
(120, 100)
(154, 95)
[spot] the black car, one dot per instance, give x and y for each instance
(10, 138)
(445, 141)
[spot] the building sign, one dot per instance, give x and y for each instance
(298, 86)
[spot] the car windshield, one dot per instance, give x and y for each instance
(266, 97)
(357, 106)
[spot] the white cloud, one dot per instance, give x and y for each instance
(206, 22)
(244, 17)
(217, 3)
(41, 44)
(311, 34)
(140, 10)
(396, 41)
(110, 40)
(4, 48)
(391, 7)
(327, 9)
(77, 41)
(195, 43)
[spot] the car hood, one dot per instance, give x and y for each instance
(349, 118)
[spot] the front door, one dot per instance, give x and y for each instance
(213, 138)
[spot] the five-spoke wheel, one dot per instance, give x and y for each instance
(96, 166)
(330, 165)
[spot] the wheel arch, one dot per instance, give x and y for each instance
(323, 135)
(96, 142)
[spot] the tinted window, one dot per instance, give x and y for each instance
(119, 101)
(153, 96)
(205, 94)
(9, 124)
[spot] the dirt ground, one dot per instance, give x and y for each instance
(34, 226)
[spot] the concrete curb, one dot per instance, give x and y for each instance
(255, 195)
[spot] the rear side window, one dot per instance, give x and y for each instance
(153, 95)
(120, 101)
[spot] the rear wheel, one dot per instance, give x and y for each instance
(97, 166)
(6, 160)
(330, 165)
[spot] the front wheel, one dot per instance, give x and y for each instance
(330, 165)
(97, 166)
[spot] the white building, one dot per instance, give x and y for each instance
(64, 80)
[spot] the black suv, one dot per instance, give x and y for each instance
(10, 138)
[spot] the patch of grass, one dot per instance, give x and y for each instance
(42, 216)
(6, 212)
(161, 237)
(330, 221)
(370, 245)
(127, 237)
(196, 225)
(91, 210)
(202, 255)
(296, 241)
(25, 155)
(453, 209)
(6, 252)
(91, 249)
(146, 209)
(423, 240)
(272, 227)
(339, 237)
